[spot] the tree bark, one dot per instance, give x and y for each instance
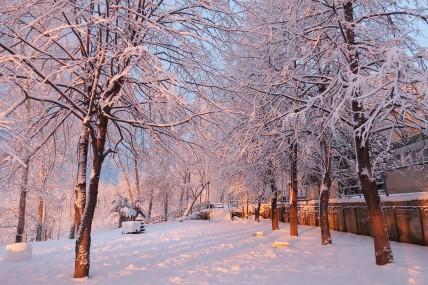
(383, 251)
(293, 191)
(151, 194)
(80, 189)
(72, 232)
(325, 194)
(83, 239)
(257, 212)
(274, 214)
(324, 224)
(242, 208)
(39, 228)
(20, 229)
(137, 179)
(181, 198)
(166, 205)
(248, 211)
(41, 206)
(128, 183)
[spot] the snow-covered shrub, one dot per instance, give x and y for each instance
(124, 210)
(18, 252)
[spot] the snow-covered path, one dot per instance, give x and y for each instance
(202, 252)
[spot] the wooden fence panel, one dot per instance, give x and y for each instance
(312, 218)
(363, 221)
(409, 226)
(424, 219)
(350, 218)
(339, 221)
(331, 220)
(392, 223)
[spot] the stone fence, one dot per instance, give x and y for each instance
(407, 220)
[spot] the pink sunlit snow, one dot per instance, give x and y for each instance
(202, 252)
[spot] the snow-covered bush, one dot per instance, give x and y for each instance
(125, 210)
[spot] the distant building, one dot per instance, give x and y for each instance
(410, 151)
(409, 169)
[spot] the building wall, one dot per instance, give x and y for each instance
(313, 191)
(407, 179)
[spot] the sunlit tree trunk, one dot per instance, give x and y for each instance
(151, 194)
(274, 214)
(137, 179)
(166, 205)
(181, 198)
(20, 229)
(83, 239)
(242, 207)
(41, 206)
(293, 191)
(72, 232)
(257, 211)
(383, 251)
(39, 228)
(325, 194)
(128, 183)
(80, 189)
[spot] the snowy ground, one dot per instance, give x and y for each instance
(202, 252)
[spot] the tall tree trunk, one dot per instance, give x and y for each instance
(274, 215)
(293, 191)
(72, 232)
(137, 179)
(60, 222)
(325, 194)
(185, 191)
(40, 207)
(242, 207)
(80, 189)
(181, 198)
(20, 229)
(324, 224)
(151, 194)
(248, 210)
(128, 183)
(44, 236)
(166, 205)
(39, 228)
(383, 251)
(257, 211)
(83, 239)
